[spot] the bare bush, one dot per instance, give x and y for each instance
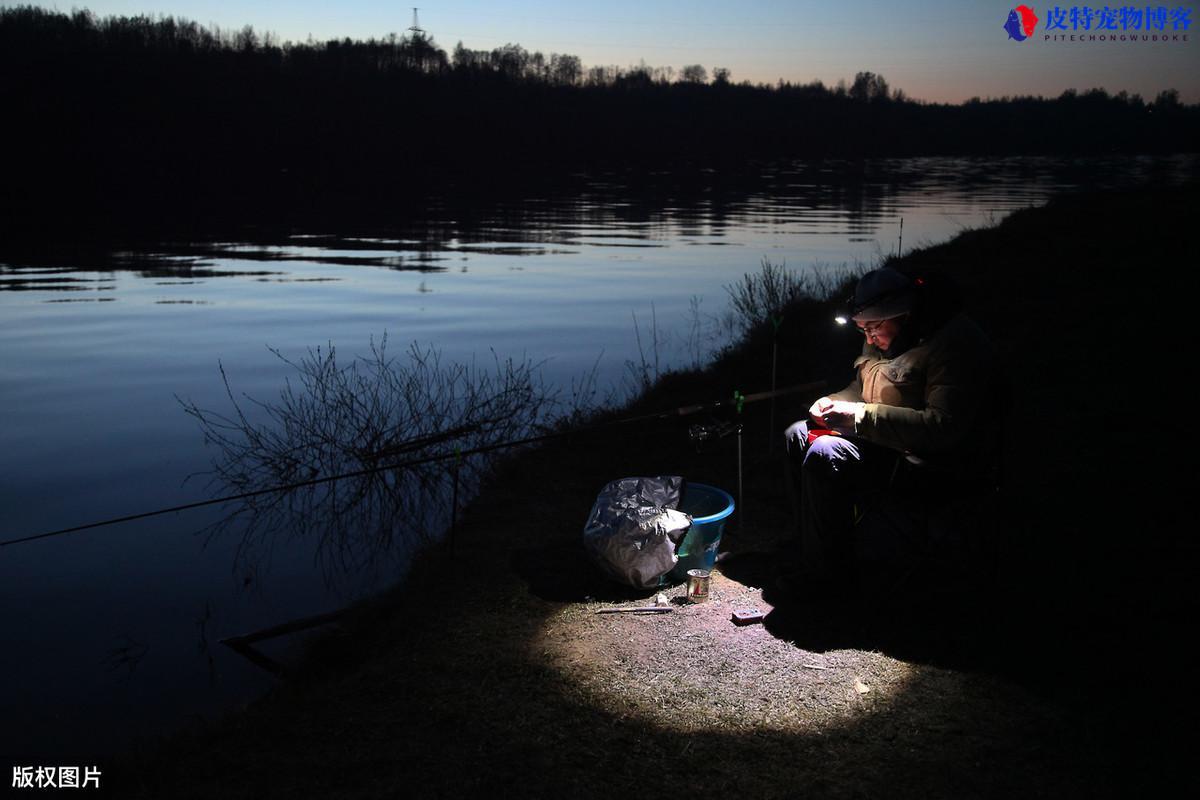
(761, 296)
(360, 420)
(642, 374)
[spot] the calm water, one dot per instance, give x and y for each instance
(113, 633)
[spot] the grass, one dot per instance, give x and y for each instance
(489, 673)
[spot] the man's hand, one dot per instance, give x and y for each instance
(818, 409)
(838, 415)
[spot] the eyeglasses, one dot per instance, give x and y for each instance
(869, 328)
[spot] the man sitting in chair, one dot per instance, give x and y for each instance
(924, 394)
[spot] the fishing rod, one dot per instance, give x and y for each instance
(680, 411)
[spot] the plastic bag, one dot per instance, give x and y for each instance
(634, 527)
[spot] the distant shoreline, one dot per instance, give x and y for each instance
(120, 120)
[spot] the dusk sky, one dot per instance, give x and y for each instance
(937, 50)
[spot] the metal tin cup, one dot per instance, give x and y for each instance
(697, 585)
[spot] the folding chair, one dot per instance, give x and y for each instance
(930, 534)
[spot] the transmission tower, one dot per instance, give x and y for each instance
(416, 29)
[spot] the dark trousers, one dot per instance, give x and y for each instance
(832, 480)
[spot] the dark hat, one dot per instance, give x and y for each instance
(882, 294)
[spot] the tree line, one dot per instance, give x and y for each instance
(157, 112)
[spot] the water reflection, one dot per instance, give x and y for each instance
(624, 211)
(36, 281)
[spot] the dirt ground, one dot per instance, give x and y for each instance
(490, 672)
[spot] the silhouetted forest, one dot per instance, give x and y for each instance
(159, 116)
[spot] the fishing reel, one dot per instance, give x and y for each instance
(713, 430)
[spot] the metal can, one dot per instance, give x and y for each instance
(697, 585)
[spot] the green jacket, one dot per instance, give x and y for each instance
(937, 399)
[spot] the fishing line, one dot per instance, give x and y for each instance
(433, 438)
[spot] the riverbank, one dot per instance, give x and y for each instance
(490, 672)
